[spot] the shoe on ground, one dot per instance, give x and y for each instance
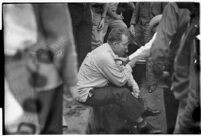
(150, 112)
(148, 129)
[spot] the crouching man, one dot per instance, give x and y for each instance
(100, 69)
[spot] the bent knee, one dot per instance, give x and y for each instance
(126, 90)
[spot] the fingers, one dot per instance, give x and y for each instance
(101, 25)
(135, 94)
(132, 29)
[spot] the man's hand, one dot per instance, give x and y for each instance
(135, 90)
(101, 24)
(136, 93)
(132, 29)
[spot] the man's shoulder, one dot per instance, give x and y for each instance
(103, 54)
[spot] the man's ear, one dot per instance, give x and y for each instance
(115, 43)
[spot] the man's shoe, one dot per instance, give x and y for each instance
(148, 129)
(151, 88)
(150, 112)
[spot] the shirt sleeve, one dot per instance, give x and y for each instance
(116, 74)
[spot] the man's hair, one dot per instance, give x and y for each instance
(116, 35)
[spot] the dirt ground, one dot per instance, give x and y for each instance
(155, 100)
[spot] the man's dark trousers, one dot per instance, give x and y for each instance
(130, 106)
(82, 28)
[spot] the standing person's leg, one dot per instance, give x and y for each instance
(96, 34)
(76, 17)
(50, 116)
(84, 34)
(139, 35)
(170, 103)
(182, 105)
(189, 123)
(105, 29)
(151, 80)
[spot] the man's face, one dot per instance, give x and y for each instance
(121, 48)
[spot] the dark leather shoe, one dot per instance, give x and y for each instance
(151, 88)
(148, 129)
(150, 112)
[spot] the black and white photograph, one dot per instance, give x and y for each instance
(113, 67)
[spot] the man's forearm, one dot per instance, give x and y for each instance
(105, 10)
(132, 82)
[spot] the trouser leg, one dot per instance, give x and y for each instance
(187, 122)
(84, 40)
(181, 108)
(76, 18)
(105, 30)
(150, 77)
(129, 105)
(82, 29)
(139, 35)
(96, 37)
(170, 103)
(84, 34)
(50, 116)
(151, 80)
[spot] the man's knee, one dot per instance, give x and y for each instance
(126, 91)
(118, 91)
